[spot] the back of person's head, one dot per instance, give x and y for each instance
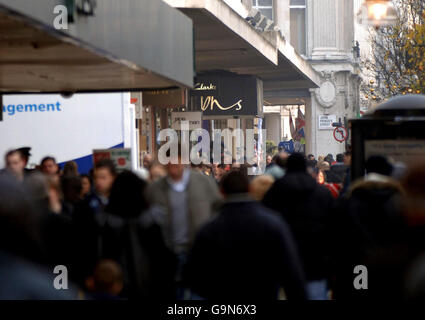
(70, 169)
(260, 185)
(106, 164)
(323, 165)
(311, 164)
(25, 153)
(127, 197)
(329, 158)
(107, 278)
(339, 157)
(37, 187)
(296, 163)
(18, 226)
(234, 182)
(71, 188)
(281, 159)
(379, 165)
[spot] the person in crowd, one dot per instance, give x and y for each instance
(307, 208)
(147, 161)
(49, 166)
(321, 177)
(347, 176)
(104, 176)
(311, 157)
(86, 186)
(15, 165)
(130, 233)
(321, 158)
(157, 171)
(190, 199)
(22, 277)
(219, 170)
(370, 231)
(71, 190)
(277, 168)
(337, 171)
(260, 185)
(330, 159)
(413, 184)
(70, 169)
(323, 166)
(26, 154)
(106, 283)
(55, 228)
(85, 212)
(207, 170)
(268, 161)
(311, 165)
(247, 251)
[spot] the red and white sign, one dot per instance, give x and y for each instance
(340, 134)
(121, 157)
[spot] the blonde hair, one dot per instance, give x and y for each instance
(260, 185)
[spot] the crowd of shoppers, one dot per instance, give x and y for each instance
(211, 231)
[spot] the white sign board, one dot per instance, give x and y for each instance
(406, 151)
(325, 121)
(66, 128)
(121, 157)
(194, 119)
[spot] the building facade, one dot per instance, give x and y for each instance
(324, 33)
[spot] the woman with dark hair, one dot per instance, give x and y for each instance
(130, 233)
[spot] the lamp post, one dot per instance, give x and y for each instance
(377, 13)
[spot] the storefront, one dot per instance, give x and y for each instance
(52, 46)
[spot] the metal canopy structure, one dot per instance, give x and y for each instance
(225, 41)
(124, 46)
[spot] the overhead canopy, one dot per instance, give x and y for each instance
(125, 45)
(225, 41)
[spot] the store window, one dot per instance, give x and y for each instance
(298, 25)
(265, 7)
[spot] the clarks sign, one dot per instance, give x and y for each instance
(228, 95)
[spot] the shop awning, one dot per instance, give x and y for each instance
(225, 41)
(125, 45)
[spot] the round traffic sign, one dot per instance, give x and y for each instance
(340, 134)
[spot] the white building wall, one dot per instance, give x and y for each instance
(331, 37)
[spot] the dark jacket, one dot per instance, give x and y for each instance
(138, 246)
(307, 208)
(86, 230)
(336, 174)
(370, 231)
(247, 252)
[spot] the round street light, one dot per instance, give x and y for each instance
(377, 13)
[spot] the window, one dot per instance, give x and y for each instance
(298, 25)
(265, 7)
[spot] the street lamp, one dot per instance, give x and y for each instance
(377, 13)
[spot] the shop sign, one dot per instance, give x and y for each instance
(228, 95)
(194, 119)
(121, 157)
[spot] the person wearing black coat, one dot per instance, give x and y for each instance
(246, 252)
(307, 208)
(129, 233)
